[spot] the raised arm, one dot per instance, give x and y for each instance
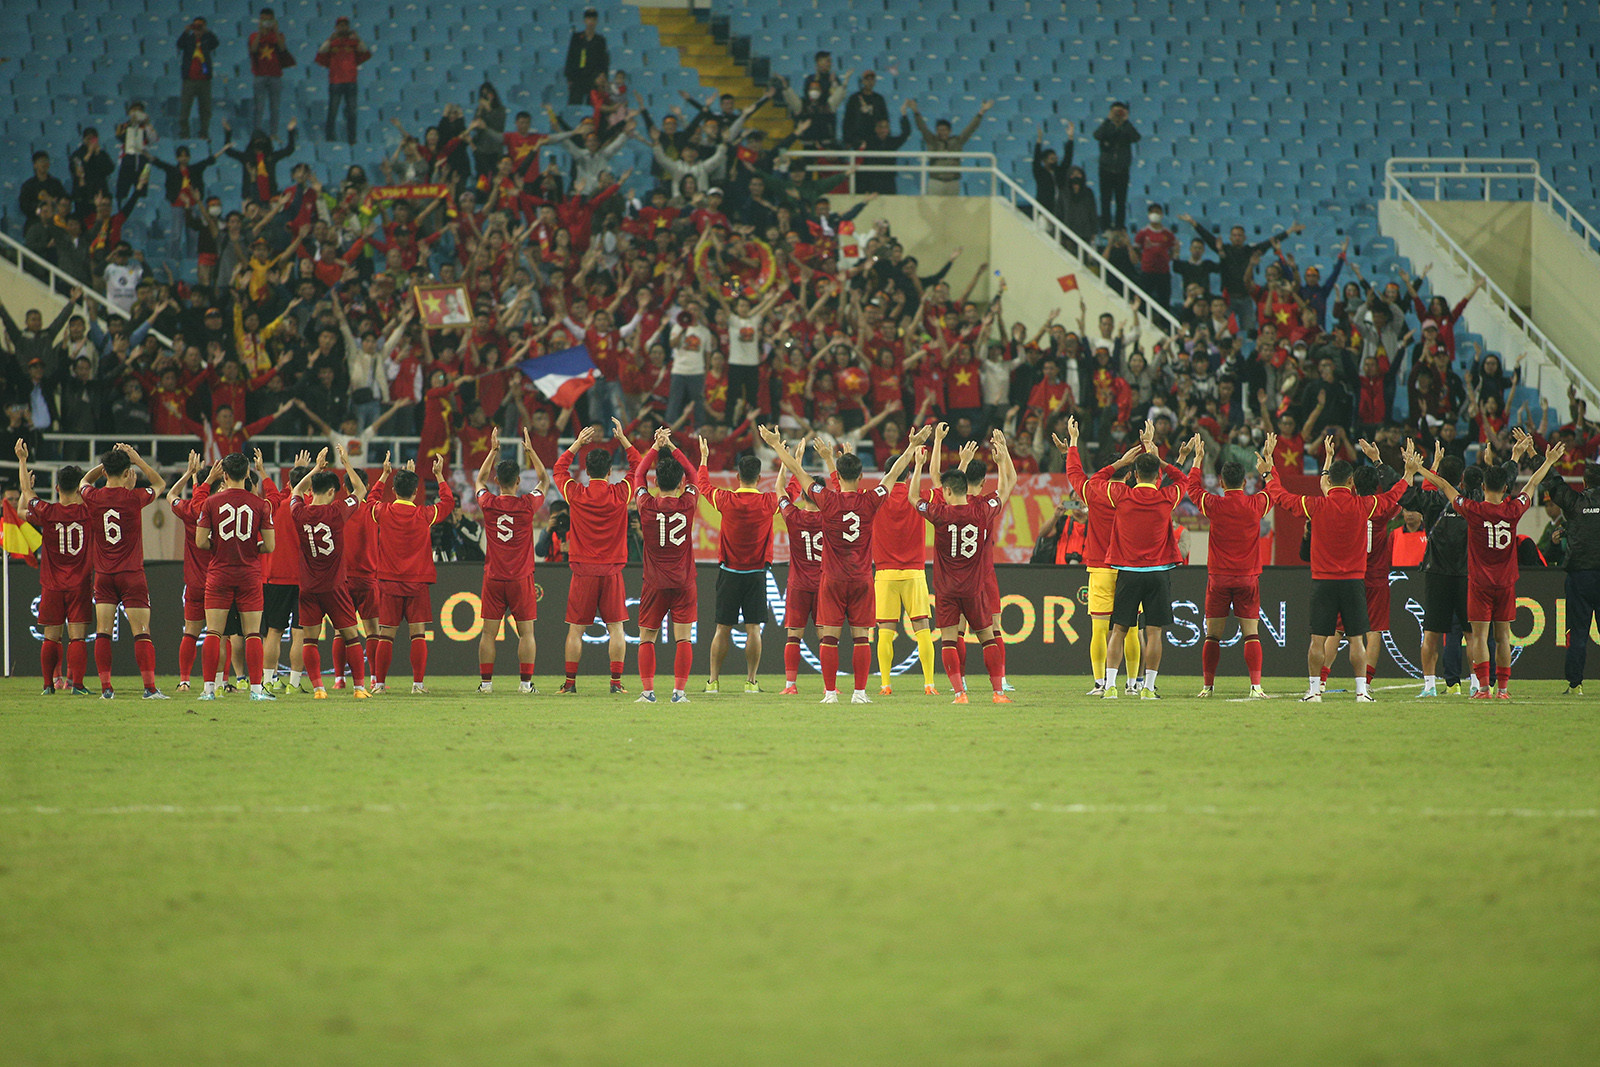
(158, 484)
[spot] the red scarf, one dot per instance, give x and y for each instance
(263, 182)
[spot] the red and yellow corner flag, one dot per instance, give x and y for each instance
(21, 539)
(1068, 282)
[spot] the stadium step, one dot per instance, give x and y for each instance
(700, 52)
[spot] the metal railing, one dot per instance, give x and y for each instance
(60, 283)
(165, 451)
(983, 166)
(1483, 175)
(1489, 176)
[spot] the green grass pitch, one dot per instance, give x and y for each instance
(455, 879)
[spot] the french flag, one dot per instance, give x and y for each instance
(562, 376)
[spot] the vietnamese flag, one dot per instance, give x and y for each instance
(1068, 282)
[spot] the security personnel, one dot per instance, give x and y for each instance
(1582, 536)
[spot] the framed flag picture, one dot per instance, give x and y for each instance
(443, 307)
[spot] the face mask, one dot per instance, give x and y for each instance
(814, 94)
(1155, 216)
(215, 212)
(136, 115)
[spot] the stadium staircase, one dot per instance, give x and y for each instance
(716, 63)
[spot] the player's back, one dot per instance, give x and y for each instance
(668, 525)
(744, 542)
(599, 512)
(1339, 533)
(1492, 538)
(236, 519)
(508, 522)
(405, 537)
(115, 527)
(1234, 548)
(281, 566)
(805, 546)
(1141, 536)
(959, 535)
(195, 558)
(64, 533)
(899, 534)
(1380, 547)
(320, 530)
(847, 531)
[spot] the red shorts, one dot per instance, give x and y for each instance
(1491, 603)
(683, 602)
(951, 608)
(125, 587)
(847, 602)
(515, 598)
(991, 592)
(225, 591)
(1378, 604)
(364, 597)
(1240, 596)
(57, 607)
(799, 605)
(334, 603)
(194, 601)
(596, 595)
(400, 602)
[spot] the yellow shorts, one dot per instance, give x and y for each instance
(901, 591)
(1102, 590)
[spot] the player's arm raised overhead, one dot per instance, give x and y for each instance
(358, 486)
(627, 445)
(24, 477)
(1194, 482)
(1279, 496)
(1008, 470)
(177, 487)
(563, 469)
(898, 467)
(158, 484)
(915, 485)
(640, 472)
(789, 461)
(303, 487)
(447, 500)
(491, 456)
(531, 458)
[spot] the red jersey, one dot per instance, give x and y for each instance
(405, 537)
(508, 521)
(1235, 546)
(805, 546)
(598, 540)
(745, 540)
(1380, 550)
(1338, 525)
(899, 535)
(847, 530)
(1492, 538)
(959, 534)
(319, 531)
(1141, 534)
(195, 558)
(64, 563)
(114, 520)
(361, 536)
(668, 523)
(281, 566)
(1092, 491)
(237, 519)
(963, 386)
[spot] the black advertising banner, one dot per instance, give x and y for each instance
(1044, 617)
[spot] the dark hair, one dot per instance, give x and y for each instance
(297, 473)
(1232, 474)
(69, 477)
(506, 472)
(976, 472)
(1471, 480)
(40, 155)
(1494, 479)
(669, 473)
(116, 462)
(1366, 480)
(849, 466)
(235, 466)
(598, 463)
(523, 115)
(405, 484)
(324, 482)
(954, 482)
(749, 470)
(1148, 465)
(1450, 468)
(1339, 471)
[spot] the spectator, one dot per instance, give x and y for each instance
(1078, 206)
(186, 187)
(489, 137)
(881, 140)
(259, 163)
(587, 57)
(1237, 262)
(818, 102)
(1117, 138)
(863, 110)
(92, 168)
(1197, 268)
(691, 343)
(939, 139)
(33, 340)
(135, 134)
(343, 53)
(269, 58)
(195, 47)
(42, 184)
(1049, 172)
(1156, 246)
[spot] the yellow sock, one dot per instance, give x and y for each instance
(1130, 653)
(885, 652)
(926, 653)
(1099, 631)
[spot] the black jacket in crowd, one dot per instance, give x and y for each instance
(1582, 511)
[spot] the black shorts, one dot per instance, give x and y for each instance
(1444, 598)
(1149, 590)
(741, 593)
(280, 605)
(1339, 599)
(234, 627)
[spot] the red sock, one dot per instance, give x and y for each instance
(1481, 671)
(862, 661)
(995, 660)
(102, 659)
(572, 671)
(791, 660)
(1503, 675)
(1210, 656)
(1252, 658)
(961, 651)
(526, 671)
(616, 671)
(49, 660)
(1372, 672)
(647, 665)
(353, 659)
(486, 672)
(77, 661)
(254, 655)
(311, 659)
(227, 658)
(682, 662)
(144, 654)
(381, 651)
(830, 664)
(1325, 672)
(188, 644)
(1000, 643)
(952, 664)
(210, 656)
(337, 660)
(419, 658)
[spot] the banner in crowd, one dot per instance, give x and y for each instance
(443, 307)
(407, 191)
(1044, 618)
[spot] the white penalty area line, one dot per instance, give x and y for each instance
(1041, 808)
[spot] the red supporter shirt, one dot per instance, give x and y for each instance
(1492, 538)
(847, 530)
(1092, 491)
(745, 541)
(598, 540)
(805, 546)
(195, 559)
(116, 529)
(959, 534)
(237, 519)
(1156, 248)
(1380, 549)
(1141, 534)
(1338, 526)
(320, 530)
(405, 537)
(508, 522)
(899, 535)
(1235, 527)
(964, 386)
(64, 528)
